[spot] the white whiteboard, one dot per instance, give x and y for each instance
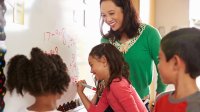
(56, 26)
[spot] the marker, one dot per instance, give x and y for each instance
(88, 86)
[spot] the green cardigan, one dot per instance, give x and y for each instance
(140, 57)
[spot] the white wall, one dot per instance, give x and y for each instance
(171, 14)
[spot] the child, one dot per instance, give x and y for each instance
(44, 76)
(100, 85)
(180, 65)
(107, 63)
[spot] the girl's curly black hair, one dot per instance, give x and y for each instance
(41, 74)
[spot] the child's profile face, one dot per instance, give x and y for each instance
(98, 68)
(165, 68)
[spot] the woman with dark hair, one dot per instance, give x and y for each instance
(138, 42)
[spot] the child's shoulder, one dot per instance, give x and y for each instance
(117, 82)
(163, 95)
(193, 102)
(120, 85)
(194, 98)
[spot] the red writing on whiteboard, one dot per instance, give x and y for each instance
(52, 51)
(72, 64)
(74, 79)
(58, 33)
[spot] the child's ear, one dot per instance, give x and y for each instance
(103, 60)
(178, 62)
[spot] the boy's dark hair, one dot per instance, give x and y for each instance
(185, 43)
(41, 74)
(131, 21)
(117, 65)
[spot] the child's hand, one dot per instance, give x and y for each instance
(80, 87)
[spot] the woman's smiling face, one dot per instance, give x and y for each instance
(112, 14)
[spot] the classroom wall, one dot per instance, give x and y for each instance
(66, 27)
(171, 15)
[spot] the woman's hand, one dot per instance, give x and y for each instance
(80, 87)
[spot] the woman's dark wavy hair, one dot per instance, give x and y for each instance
(41, 74)
(185, 43)
(117, 65)
(131, 21)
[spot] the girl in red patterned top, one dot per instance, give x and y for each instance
(107, 64)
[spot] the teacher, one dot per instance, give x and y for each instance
(138, 42)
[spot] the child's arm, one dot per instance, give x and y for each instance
(100, 88)
(100, 107)
(86, 102)
(94, 99)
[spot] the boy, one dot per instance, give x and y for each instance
(179, 64)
